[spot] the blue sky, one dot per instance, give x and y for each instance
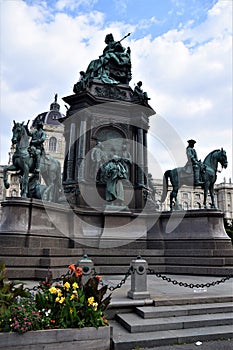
(181, 50)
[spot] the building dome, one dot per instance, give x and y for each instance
(51, 117)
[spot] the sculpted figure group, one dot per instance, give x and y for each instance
(112, 67)
(111, 169)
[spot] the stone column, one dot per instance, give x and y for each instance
(140, 158)
(70, 155)
(145, 154)
(80, 151)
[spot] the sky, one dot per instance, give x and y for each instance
(180, 49)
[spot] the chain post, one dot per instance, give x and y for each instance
(87, 266)
(138, 279)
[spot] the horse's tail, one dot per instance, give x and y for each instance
(166, 176)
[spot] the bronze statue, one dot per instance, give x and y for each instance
(151, 186)
(139, 95)
(114, 173)
(193, 165)
(81, 85)
(114, 51)
(112, 67)
(24, 163)
(98, 157)
(179, 177)
(36, 147)
(126, 159)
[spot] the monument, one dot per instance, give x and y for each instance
(108, 197)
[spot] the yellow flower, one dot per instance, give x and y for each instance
(67, 286)
(61, 300)
(90, 301)
(95, 305)
(72, 296)
(71, 310)
(75, 285)
(53, 290)
(57, 299)
(59, 292)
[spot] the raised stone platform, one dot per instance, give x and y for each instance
(35, 236)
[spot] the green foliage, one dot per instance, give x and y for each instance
(65, 304)
(9, 292)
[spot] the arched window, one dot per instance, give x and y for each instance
(52, 144)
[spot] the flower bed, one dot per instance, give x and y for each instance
(64, 311)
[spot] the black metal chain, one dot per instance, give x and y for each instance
(103, 282)
(51, 281)
(188, 285)
(120, 284)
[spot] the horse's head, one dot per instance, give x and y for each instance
(222, 158)
(20, 137)
(17, 132)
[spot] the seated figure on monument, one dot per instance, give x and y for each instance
(138, 95)
(112, 67)
(81, 84)
(193, 164)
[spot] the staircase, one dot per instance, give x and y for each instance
(33, 262)
(158, 325)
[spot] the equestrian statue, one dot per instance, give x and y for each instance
(194, 173)
(30, 162)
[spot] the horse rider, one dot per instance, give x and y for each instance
(36, 147)
(193, 164)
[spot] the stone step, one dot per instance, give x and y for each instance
(98, 261)
(115, 252)
(191, 260)
(135, 324)
(199, 270)
(147, 312)
(123, 340)
(199, 299)
(21, 261)
(40, 272)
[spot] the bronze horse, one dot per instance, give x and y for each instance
(178, 178)
(24, 163)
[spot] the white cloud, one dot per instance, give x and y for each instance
(187, 72)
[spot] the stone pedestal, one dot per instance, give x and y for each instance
(35, 236)
(191, 225)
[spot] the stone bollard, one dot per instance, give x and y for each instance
(87, 266)
(138, 279)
